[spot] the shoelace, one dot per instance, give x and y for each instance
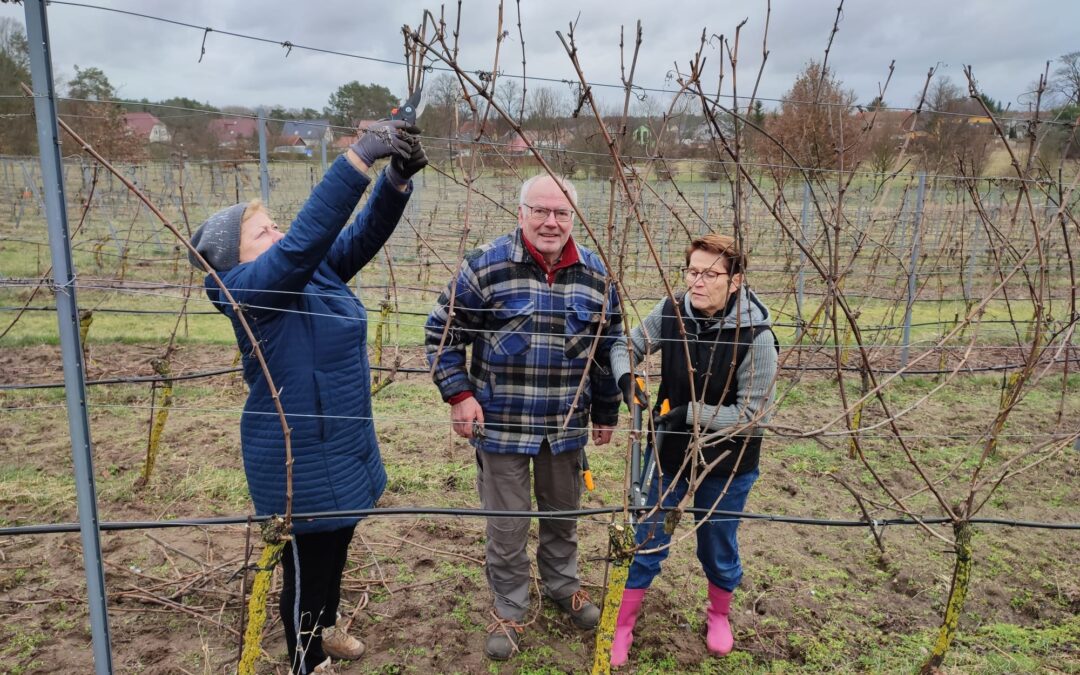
(505, 625)
(578, 600)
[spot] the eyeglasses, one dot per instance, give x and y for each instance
(709, 275)
(540, 214)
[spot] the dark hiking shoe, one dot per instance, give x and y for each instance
(583, 613)
(503, 638)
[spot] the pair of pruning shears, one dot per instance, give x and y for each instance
(408, 110)
(643, 460)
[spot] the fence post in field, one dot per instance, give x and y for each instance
(916, 222)
(32, 185)
(115, 236)
(264, 174)
(973, 254)
(67, 312)
(322, 153)
(800, 278)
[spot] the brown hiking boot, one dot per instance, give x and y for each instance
(503, 638)
(583, 613)
(340, 645)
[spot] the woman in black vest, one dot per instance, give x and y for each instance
(716, 402)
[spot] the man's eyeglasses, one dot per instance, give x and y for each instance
(540, 214)
(709, 275)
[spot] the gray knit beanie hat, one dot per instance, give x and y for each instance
(218, 239)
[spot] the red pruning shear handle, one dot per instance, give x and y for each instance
(407, 110)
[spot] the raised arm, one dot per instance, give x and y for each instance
(361, 241)
(273, 279)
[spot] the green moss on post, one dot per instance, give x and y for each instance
(957, 594)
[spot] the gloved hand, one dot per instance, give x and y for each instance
(630, 388)
(383, 139)
(401, 168)
(672, 420)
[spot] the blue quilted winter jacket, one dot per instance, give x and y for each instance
(313, 333)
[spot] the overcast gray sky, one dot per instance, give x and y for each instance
(1008, 44)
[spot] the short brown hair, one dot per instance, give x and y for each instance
(253, 207)
(722, 245)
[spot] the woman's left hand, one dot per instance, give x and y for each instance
(385, 138)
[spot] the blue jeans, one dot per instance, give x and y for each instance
(717, 548)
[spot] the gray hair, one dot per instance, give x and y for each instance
(564, 182)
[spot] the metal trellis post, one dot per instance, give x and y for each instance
(264, 173)
(67, 312)
(973, 254)
(916, 223)
(800, 280)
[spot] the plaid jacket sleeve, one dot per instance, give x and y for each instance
(460, 324)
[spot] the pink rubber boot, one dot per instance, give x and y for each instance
(719, 639)
(624, 625)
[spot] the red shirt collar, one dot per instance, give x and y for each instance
(568, 257)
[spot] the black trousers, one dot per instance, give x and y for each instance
(322, 561)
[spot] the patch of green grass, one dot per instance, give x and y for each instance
(44, 493)
(17, 649)
(810, 457)
(537, 660)
(992, 648)
(223, 489)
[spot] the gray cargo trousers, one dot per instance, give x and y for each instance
(503, 484)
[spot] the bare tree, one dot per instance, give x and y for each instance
(1066, 78)
(817, 119)
(440, 117)
(545, 106)
(955, 133)
(508, 93)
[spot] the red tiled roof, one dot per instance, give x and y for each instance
(231, 128)
(141, 123)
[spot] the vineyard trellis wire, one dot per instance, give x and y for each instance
(964, 231)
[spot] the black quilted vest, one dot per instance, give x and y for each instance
(715, 357)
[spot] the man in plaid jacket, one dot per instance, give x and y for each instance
(541, 315)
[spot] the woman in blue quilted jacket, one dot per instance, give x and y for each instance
(312, 331)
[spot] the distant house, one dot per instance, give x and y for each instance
(293, 145)
(310, 132)
(1018, 124)
(230, 131)
(146, 126)
(517, 144)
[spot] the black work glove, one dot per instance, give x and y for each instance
(383, 139)
(630, 388)
(401, 169)
(672, 420)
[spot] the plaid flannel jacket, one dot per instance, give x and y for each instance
(530, 346)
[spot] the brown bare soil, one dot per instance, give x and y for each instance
(812, 599)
